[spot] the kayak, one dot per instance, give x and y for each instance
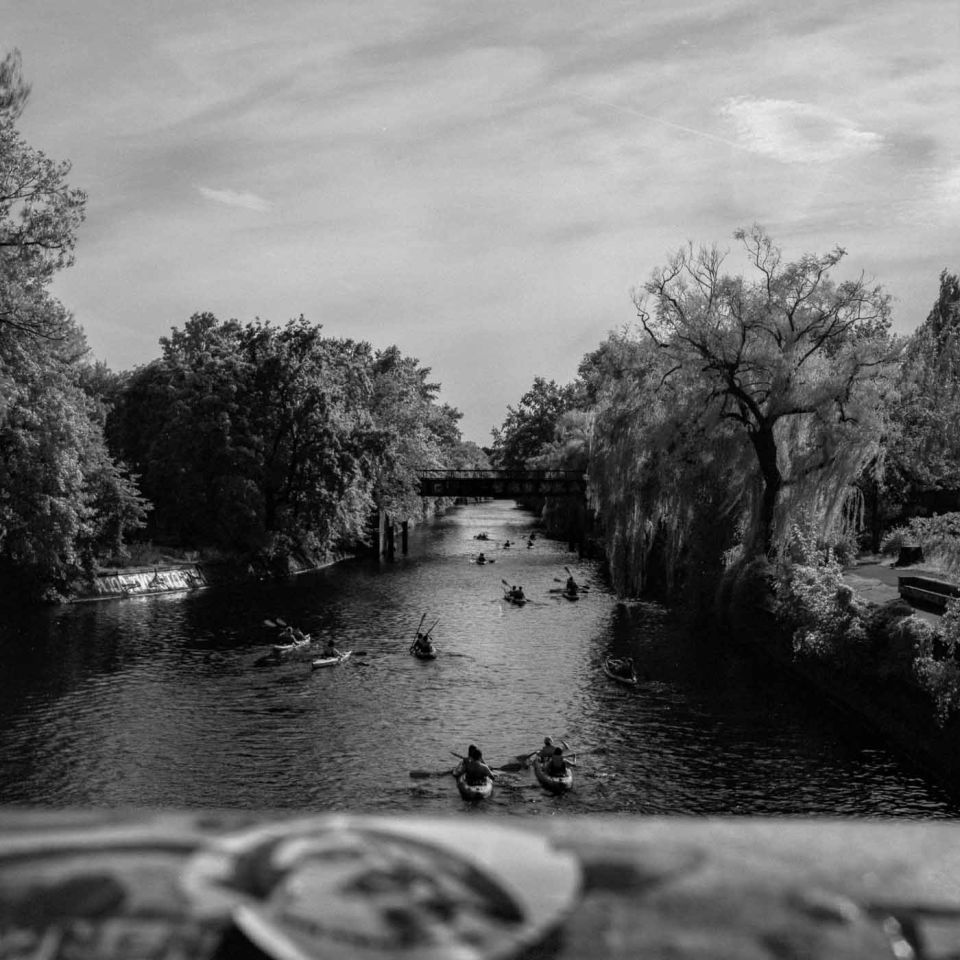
(571, 594)
(473, 791)
(331, 661)
(551, 783)
(282, 648)
(420, 654)
(609, 668)
(519, 601)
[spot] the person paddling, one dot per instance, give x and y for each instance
(423, 643)
(329, 650)
(571, 586)
(557, 765)
(474, 768)
(546, 751)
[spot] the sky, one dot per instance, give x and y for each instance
(481, 184)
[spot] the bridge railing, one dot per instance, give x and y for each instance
(504, 474)
(502, 483)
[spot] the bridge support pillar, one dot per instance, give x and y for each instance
(404, 537)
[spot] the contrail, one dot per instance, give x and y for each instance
(665, 123)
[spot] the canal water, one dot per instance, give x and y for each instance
(172, 700)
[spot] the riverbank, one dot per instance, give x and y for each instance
(890, 674)
(178, 576)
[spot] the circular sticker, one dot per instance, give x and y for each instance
(366, 887)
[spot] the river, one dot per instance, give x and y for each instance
(168, 701)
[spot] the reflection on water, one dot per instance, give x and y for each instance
(166, 700)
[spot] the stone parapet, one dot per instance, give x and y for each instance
(230, 884)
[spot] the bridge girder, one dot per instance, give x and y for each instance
(502, 484)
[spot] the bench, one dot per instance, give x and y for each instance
(927, 592)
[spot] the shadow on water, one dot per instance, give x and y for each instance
(178, 699)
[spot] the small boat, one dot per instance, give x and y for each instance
(610, 668)
(331, 661)
(281, 648)
(481, 536)
(510, 598)
(571, 594)
(472, 791)
(551, 783)
(420, 653)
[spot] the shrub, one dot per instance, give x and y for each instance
(936, 668)
(814, 600)
(939, 536)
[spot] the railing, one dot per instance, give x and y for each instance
(203, 884)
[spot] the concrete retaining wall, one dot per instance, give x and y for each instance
(143, 581)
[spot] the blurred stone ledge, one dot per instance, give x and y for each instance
(111, 884)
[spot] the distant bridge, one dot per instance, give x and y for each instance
(502, 484)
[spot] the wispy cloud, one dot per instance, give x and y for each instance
(795, 132)
(236, 198)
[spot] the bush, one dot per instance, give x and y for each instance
(936, 668)
(939, 536)
(818, 605)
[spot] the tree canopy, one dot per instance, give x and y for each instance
(794, 362)
(63, 499)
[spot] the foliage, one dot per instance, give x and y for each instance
(795, 364)
(63, 498)
(659, 474)
(415, 431)
(39, 217)
(530, 427)
(939, 536)
(936, 666)
(273, 440)
(813, 598)
(924, 449)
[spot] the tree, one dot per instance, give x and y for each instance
(531, 426)
(415, 431)
(39, 217)
(62, 498)
(925, 453)
(251, 437)
(795, 362)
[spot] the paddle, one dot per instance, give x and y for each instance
(420, 624)
(423, 774)
(275, 623)
(506, 768)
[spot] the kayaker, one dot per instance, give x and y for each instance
(481, 559)
(506, 543)
(572, 585)
(546, 751)
(423, 643)
(626, 668)
(516, 593)
(474, 767)
(557, 766)
(329, 650)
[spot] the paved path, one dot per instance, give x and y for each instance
(877, 582)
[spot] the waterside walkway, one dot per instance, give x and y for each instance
(876, 581)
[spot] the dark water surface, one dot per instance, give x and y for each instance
(165, 700)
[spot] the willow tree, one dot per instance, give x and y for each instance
(793, 362)
(664, 475)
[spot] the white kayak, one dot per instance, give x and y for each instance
(331, 661)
